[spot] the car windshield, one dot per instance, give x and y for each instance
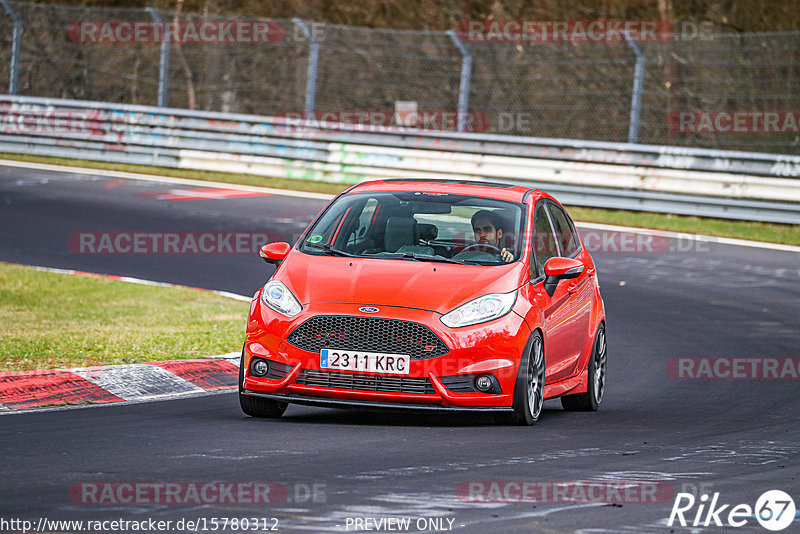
(419, 226)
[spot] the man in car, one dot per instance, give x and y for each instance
(488, 229)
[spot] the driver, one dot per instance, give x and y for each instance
(488, 228)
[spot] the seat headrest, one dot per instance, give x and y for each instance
(428, 232)
(400, 231)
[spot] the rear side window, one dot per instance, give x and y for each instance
(565, 231)
(544, 245)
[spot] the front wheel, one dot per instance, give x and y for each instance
(590, 401)
(529, 388)
(256, 406)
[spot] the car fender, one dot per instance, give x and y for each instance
(531, 309)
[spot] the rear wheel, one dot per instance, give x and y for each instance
(529, 388)
(256, 406)
(590, 401)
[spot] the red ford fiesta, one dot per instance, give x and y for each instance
(429, 295)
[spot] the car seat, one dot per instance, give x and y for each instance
(402, 236)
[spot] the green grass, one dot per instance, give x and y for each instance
(758, 231)
(52, 321)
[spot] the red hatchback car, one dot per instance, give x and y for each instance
(432, 295)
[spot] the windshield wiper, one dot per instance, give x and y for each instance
(441, 259)
(330, 250)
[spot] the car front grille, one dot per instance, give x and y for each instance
(379, 383)
(367, 334)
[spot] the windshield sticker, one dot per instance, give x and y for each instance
(315, 238)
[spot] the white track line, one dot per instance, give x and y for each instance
(163, 179)
(690, 236)
(131, 280)
(322, 196)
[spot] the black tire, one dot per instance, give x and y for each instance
(257, 406)
(529, 388)
(590, 401)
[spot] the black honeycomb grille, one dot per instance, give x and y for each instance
(368, 334)
(381, 383)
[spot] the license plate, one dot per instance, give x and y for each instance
(371, 362)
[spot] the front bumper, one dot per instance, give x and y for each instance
(492, 348)
(309, 400)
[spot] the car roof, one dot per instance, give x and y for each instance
(499, 191)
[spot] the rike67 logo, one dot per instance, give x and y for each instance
(774, 510)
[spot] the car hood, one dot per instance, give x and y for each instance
(432, 286)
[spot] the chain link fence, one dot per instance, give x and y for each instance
(579, 90)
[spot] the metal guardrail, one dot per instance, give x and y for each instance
(734, 185)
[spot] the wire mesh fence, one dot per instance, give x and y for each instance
(710, 90)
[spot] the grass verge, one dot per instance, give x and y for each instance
(52, 321)
(757, 231)
(788, 234)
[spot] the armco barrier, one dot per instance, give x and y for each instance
(736, 185)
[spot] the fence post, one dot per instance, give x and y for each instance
(15, 45)
(463, 85)
(313, 61)
(636, 98)
(163, 69)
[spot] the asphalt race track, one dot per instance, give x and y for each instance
(735, 437)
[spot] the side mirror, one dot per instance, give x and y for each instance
(274, 253)
(557, 269)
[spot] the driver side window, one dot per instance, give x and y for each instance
(567, 240)
(544, 243)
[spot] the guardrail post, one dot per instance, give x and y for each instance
(466, 75)
(15, 46)
(636, 98)
(313, 61)
(163, 69)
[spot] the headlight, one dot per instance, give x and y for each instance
(480, 310)
(278, 297)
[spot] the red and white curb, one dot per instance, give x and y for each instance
(104, 384)
(117, 383)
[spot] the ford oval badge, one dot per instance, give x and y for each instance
(368, 309)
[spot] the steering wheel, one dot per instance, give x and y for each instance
(482, 246)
